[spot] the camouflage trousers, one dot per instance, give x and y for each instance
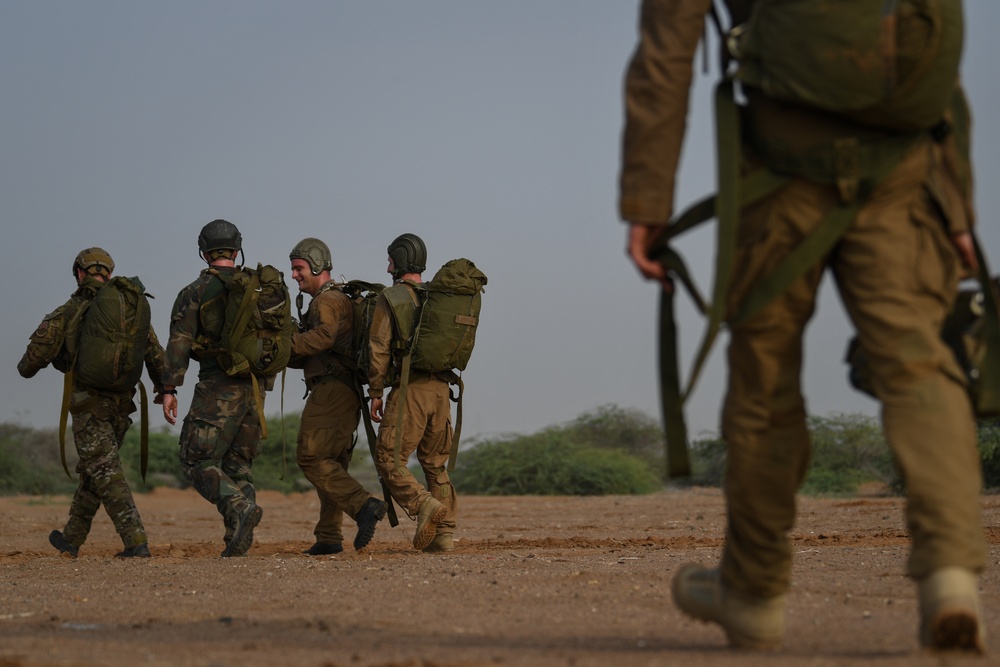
(99, 426)
(897, 274)
(326, 442)
(219, 441)
(427, 431)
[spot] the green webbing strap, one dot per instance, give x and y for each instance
(404, 378)
(259, 404)
(63, 414)
(243, 315)
(727, 208)
(678, 461)
(988, 395)
(453, 455)
(373, 450)
(143, 431)
(281, 408)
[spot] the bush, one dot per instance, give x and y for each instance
(989, 450)
(549, 463)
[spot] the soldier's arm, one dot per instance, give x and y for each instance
(155, 361)
(657, 88)
(45, 343)
(328, 317)
(183, 329)
(379, 340)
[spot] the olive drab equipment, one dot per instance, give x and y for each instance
(972, 331)
(437, 334)
(890, 64)
(894, 68)
(257, 326)
(111, 336)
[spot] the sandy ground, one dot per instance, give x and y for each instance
(533, 581)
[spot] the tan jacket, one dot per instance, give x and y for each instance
(328, 325)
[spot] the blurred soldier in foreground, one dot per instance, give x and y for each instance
(896, 264)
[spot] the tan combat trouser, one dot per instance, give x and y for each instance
(326, 442)
(426, 430)
(896, 272)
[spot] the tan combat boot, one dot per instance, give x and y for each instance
(949, 611)
(748, 623)
(430, 514)
(441, 543)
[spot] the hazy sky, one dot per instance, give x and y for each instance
(489, 129)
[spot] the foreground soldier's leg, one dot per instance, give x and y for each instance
(898, 273)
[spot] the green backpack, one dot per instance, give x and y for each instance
(108, 341)
(363, 296)
(438, 334)
(256, 336)
(449, 316)
(113, 336)
(890, 64)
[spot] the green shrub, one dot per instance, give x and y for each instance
(548, 463)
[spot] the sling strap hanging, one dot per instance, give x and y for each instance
(734, 194)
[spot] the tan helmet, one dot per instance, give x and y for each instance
(315, 253)
(94, 260)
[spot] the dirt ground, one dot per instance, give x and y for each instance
(533, 581)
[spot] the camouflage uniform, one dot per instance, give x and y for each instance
(426, 423)
(331, 413)
(221, 435)
(100, 420)
(896, 272)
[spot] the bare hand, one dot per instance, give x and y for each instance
(376, 410)
(967, 251)
(170, 408)
(640, 239)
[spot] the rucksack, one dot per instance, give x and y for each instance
(892, 68)
(445, 332)
(437, 334)
(256, 335)
(363, 296)
(108, 341)
(113, 336)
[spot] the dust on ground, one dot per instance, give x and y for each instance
(533, 581)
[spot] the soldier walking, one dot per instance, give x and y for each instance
(333, 406)
(426, 409)
(100, 417)
(221, 435)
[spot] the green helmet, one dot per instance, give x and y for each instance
(94, 260)
(315, 253)
(408, 253)
(219, 235)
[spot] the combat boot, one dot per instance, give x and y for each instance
(748, 622)
(371, 513)
(324, 549)
(950, 616)
(57, 540)
(430, 514)
(247, 518)
(137, 551)
(441, 543)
